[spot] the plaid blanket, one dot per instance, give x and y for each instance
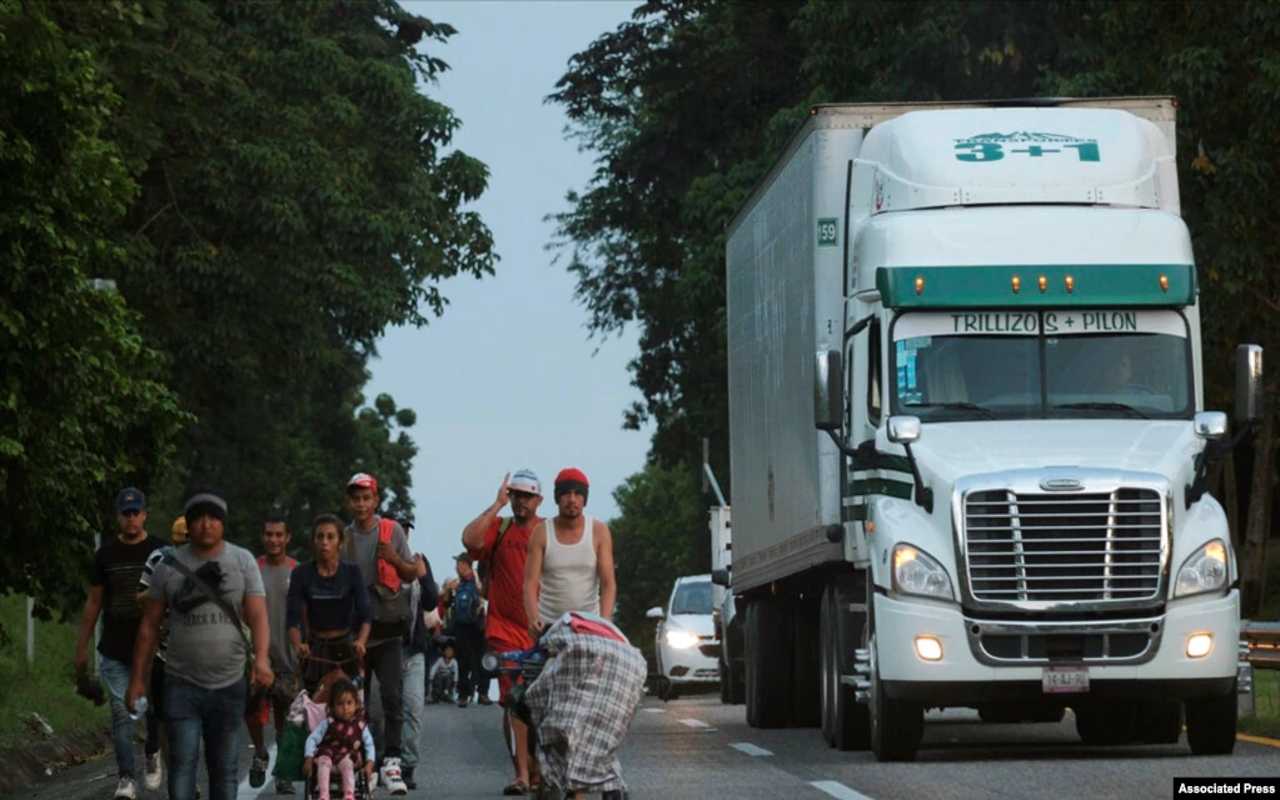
(582, 705)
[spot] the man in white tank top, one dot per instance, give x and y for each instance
(570, 562)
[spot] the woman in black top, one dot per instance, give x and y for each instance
(329, 602)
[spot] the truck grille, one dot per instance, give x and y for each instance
(1085, 547)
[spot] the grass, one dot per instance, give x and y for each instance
(1265, 721)
(46, 687)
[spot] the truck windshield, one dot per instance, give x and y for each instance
(692, 598)
(1050, 364)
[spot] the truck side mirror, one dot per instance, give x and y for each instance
(655, 613)
(904, 429)
(720, 577)
(1248, 384)
(828, 385)
(1210, 425)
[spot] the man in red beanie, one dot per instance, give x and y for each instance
(570, 562)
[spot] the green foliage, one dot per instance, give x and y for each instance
(660, 534)
(82, 407)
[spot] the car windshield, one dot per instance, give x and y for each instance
(1042, 364)
(692, 598)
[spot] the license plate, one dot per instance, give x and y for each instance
(1065, 680)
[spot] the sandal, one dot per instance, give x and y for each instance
(515, 788)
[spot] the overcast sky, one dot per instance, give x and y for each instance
(508, 377)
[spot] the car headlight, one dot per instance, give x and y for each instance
(681, 640)
(1205, 570)
(917, 572)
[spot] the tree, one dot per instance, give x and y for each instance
(83, 410)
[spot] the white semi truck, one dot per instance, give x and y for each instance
(968, 441)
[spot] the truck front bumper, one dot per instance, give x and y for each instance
(969, 674)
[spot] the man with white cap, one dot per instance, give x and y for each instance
(501, 544)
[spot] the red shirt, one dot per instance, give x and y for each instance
(506, 627)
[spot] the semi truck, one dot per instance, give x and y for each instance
(968, 443)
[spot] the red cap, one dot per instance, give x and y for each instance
(363, 480)
(572, 475)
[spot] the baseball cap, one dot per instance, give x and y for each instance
(363, 480)
(525, 480)
(463, 556)
(178, 531)
(572, 475)
(130, 499)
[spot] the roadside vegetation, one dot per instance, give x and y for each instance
(46, 686)
(1265, 721)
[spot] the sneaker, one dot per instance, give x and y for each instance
(283, 786)
(126, 789)
(154, 775)
(391, 777)
(406, 773)
(258, 770)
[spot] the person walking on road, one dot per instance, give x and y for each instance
(415, 645)
(570, 563)
(207, 588)
(113, 594)
(380, 549)
(329, 604)
(466, 627)
(502, 543)
(276, 566)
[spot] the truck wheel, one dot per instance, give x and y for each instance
(845, 721)
(1160, 721)
(1107, 725)
(806, 697)
(768, 664)
(896, 725)
(1211, 724)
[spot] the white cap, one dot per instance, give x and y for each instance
(525, 481)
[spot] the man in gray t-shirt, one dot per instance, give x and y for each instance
(205, 687)
(276, 567)
(383, 658)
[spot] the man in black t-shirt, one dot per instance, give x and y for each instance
(113, 593)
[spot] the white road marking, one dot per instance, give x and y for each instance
(694, 723)
(750, 749)
(244, 791)
(838, 790)
(655, 710)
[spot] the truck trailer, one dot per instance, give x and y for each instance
(968, 441)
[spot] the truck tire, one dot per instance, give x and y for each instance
(732, 692)
(846, 724)
(768, 664)
(1211, 724)
(1160, 721)
(806, 670)
(1104, 726)
(896, 725)
(724, 682)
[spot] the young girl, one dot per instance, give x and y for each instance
(337, 740)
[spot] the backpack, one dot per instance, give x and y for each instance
(466, 604)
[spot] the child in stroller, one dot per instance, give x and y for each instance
(343, 740)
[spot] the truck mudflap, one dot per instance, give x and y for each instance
(972, 693)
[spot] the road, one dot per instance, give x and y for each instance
(696, 748)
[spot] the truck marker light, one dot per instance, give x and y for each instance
(869, 526)
(928, 648)
(1164, 283)
(919, 284)
(1071, 284)
(1017, 284)
(1199, 645)
(1044, 284)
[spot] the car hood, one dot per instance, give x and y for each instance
(701, 624)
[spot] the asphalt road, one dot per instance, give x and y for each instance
(697, 748)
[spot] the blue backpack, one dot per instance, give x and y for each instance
(466, 604)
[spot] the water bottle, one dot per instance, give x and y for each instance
(139, 708)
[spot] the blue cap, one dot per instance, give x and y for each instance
(130, 499)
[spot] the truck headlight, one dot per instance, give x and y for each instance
(917, 572)
(681, 640)
(1205, 570)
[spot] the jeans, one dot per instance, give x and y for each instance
(115, 674)
(415, 684)
(384, 660)
(216, 715)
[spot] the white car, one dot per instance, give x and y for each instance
(687, 649)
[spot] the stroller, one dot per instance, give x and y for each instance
(579, 689)
(304, 715)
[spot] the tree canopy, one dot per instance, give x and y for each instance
(267, 184)
(687, 106)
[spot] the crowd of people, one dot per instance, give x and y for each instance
(200, 638)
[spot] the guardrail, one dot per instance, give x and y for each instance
(1260, 644)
